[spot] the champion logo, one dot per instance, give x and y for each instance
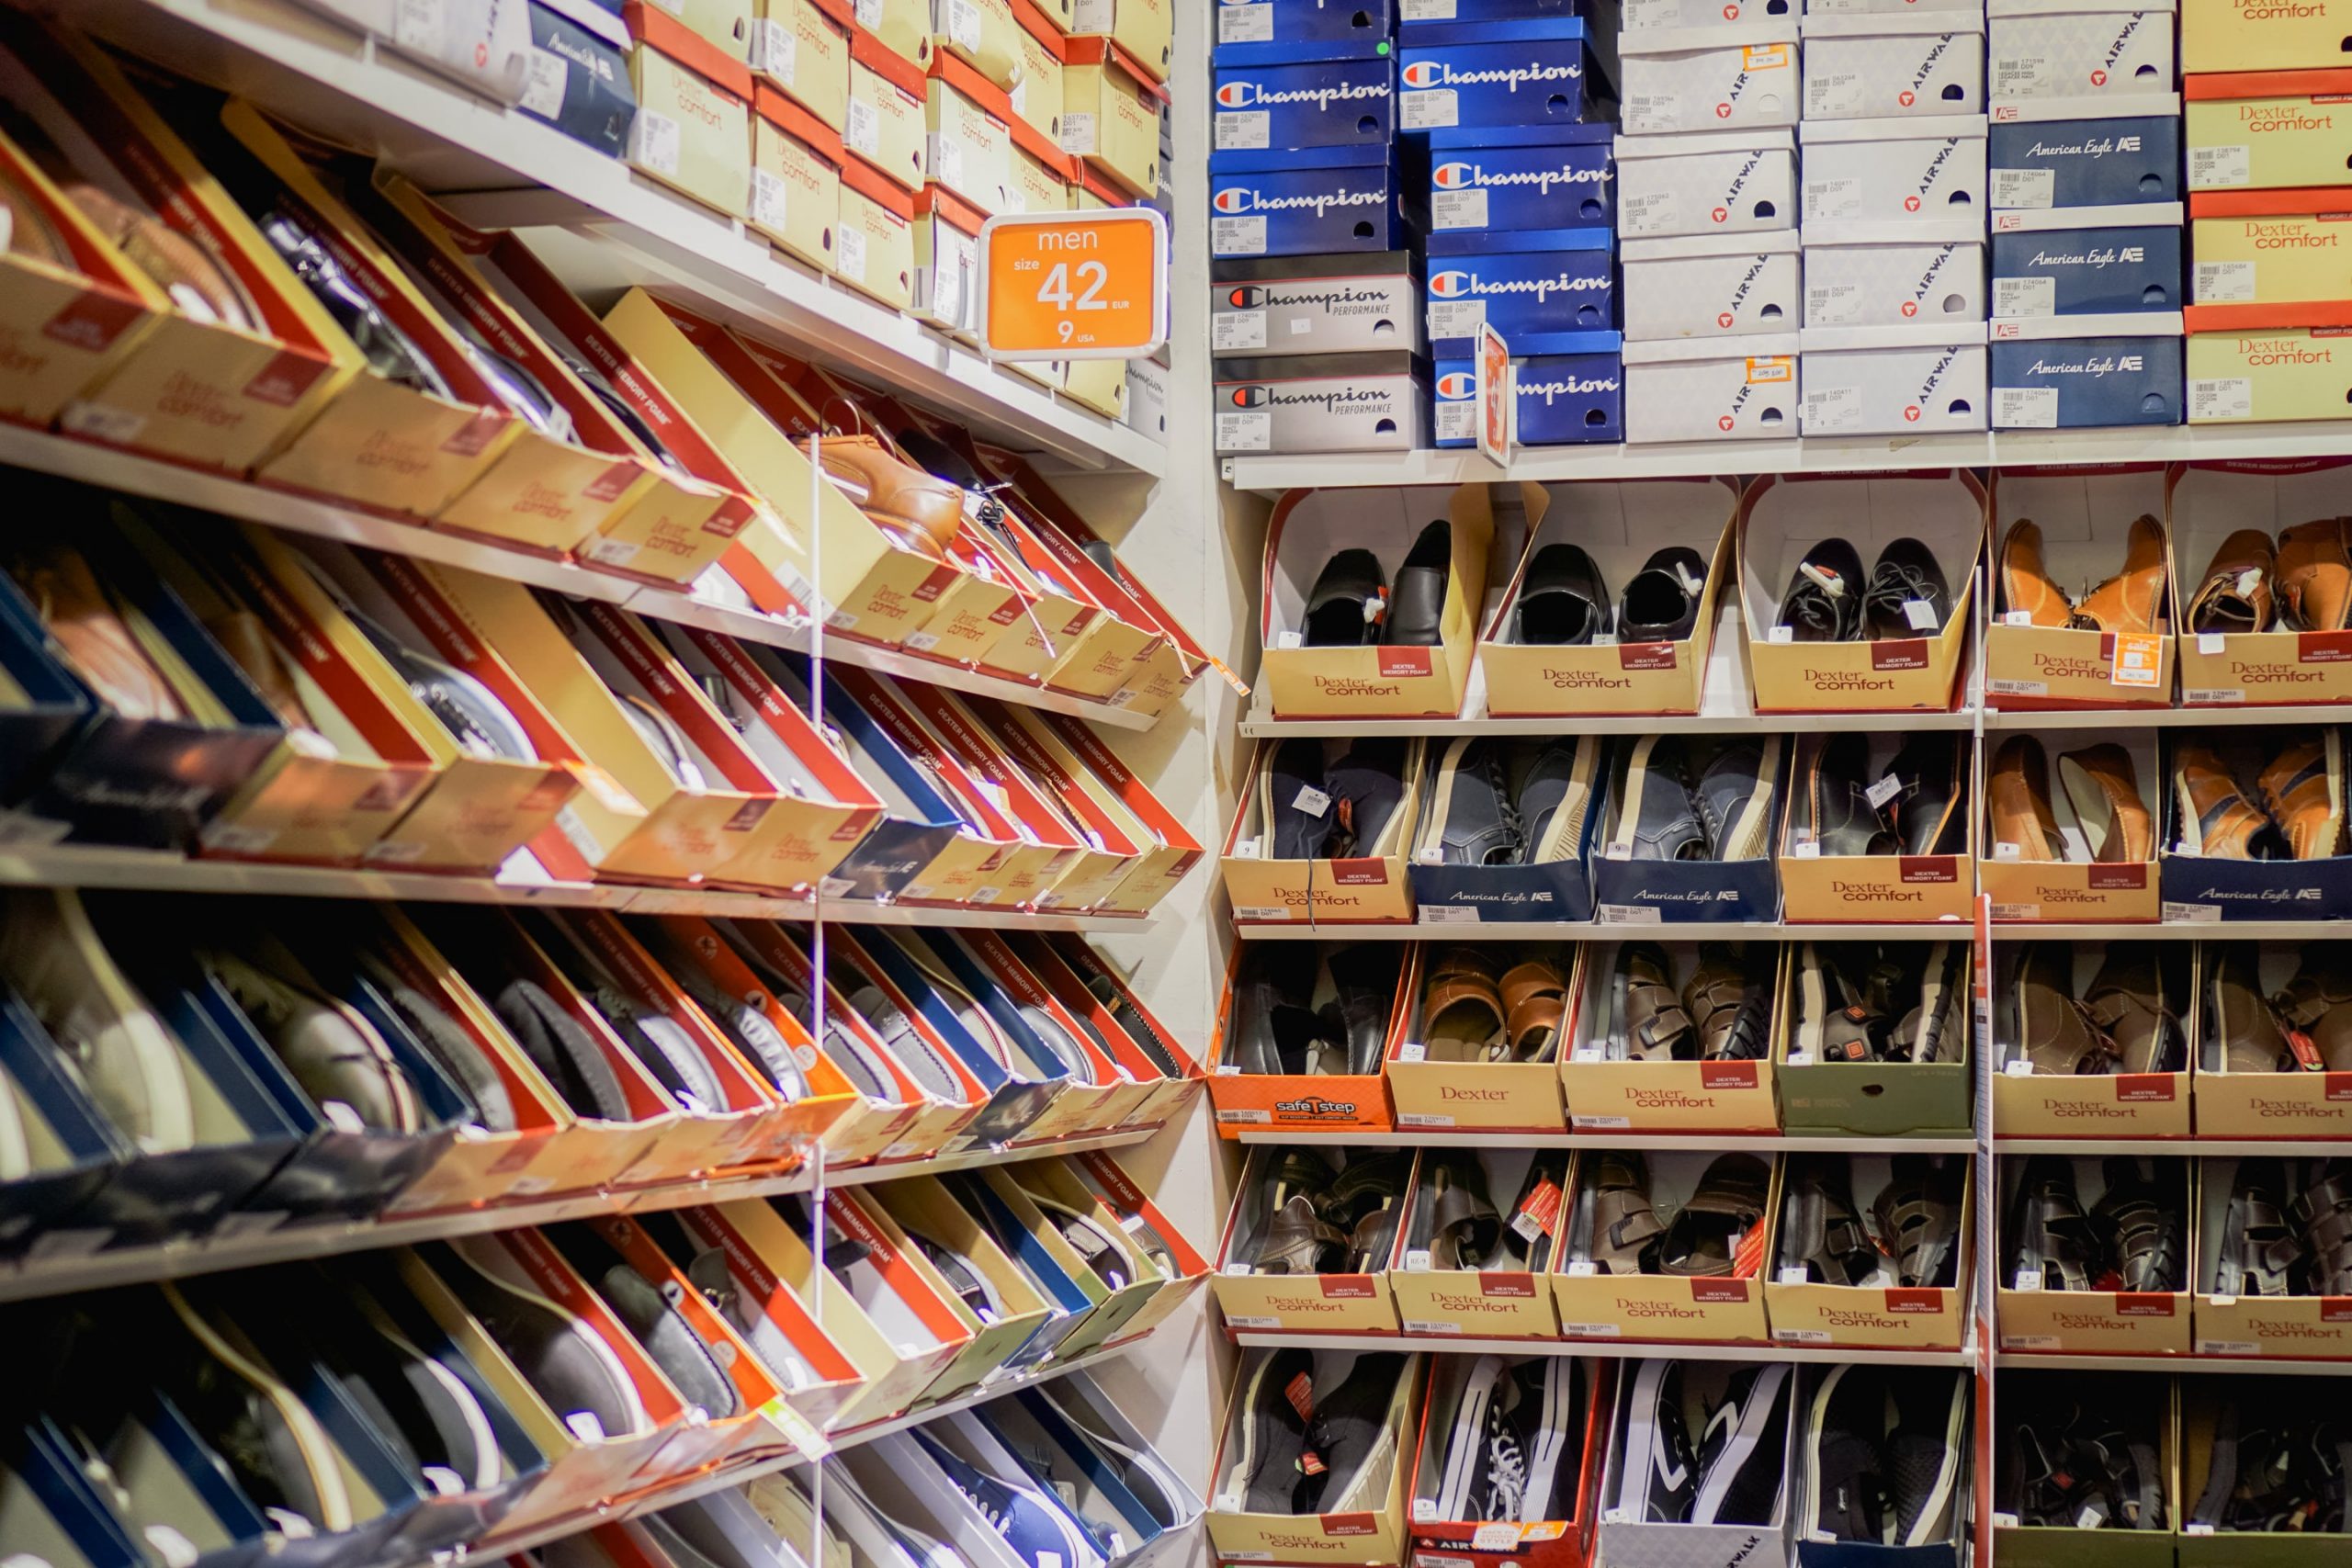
(1509, 78)
(1242, 198)
(1234, 199)
(1234, 95)
(1462, 176)
(1450, 284)
(1453, 285)
(1248, 298)
(1566, 387)
(1248, 94)
(1421, 74)
(1249, 396)
(1456, 385)
(1454, 176)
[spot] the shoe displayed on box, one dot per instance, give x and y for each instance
(1554, 794)
(1726, 1002)
(1833, 804)
(2302, 789)
(1350, 1432)
(1929, 811)
(2219, 820)
(1295, 773)
(1821, 1229)
(1417, 605)
(1462, 1008)
(1473, 817)
(1646, 1021)
(1907, 596)
(1824, 600)
(2104, 790)
(2134, 599)
(2141, 1223)
(2261, 1253)
(1704, 1238)
(1367, 786)
(2027, 587)
(1662, 601)
(1734, 795)
(1742, 1449)
(1918, 1217)
(1616, 1228)
(2234, 595)
(2240, 1017)
(1563, 602)
(2314, 582)
(1657, 818)
(1658, 1481)
(2016, 794)
(1345, 607)
(2125, 1002)
(2055, 1034)
(1040, 1534)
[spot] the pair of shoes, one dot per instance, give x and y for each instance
(1616, 1227)
(2132, 1239)
(1917, 1213)
(1513, 1438)
(2304, 583)
(2080, 1460)
(1352, 605)
(1882, 1454)
(2101, 786)
(1837, 805)
(1453, 1221)
(2301, 789)
(2282, 1469)
(1508, 803)
(1309, 1431)
(2131, 601)
(1314, 1220)
(1719, 1014)
(1679, 800)
(1735, 1477)
(2301, 1029)
(1899, 1002)
(1469, 1013)
(2275, 1245)
(1828, 601)
(1308, 812)
(2125, 1022)
(1564, 602)
(1275, 1026)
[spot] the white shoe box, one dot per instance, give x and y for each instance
(1710, 286)
(1898, 173)
(2074, 48)
(1891, 7)
(1891, 283)
(1871, 67)
(1934, 377)
(1725, 182)
(1707, 390)
(1728, 78)
(1640, 16)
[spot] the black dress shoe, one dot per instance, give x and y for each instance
(1662, 601)
(1834, 806)
(1928, 810)
(1419, 604)
(1293, 832)
(1824, 603)
(1366, 787)
(1907, 573)
(1344, 606)
(1563, 602)
(1274, 1026)
(1364, 976)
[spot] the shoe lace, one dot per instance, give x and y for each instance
(1814, 601)
(1893, 584)
(1506, 1468)
(1513, 823)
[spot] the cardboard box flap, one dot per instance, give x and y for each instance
(655, 27)
(797, 123)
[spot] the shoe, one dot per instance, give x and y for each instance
(2141, 1226)
(1734, 799)
(1657, 818)
(200, 283)
(1549, 1393)
(1703, 1237)
(1366, 1200)
(2017, 790)
(1366, 787)
(1555, 797)
(564, 1360)
(2026, 583)
(1821, 1230)
(2215, 815)
(1462, 1009)
(92, 630)
(1351, 1428)
(2322, 1212)
(1823, 601)
(1917, 1215)
(2234, 596)
(1466, 1437)
(1509, 1425)
(1473, 818)
(2105, 793)
(563, 1051)
(1726, 1004)
(1906, 574)
(895, 494)
(1658, 1480)
(2126, 1004)
(2067, 1461)
(1833, 810)
(1646, 1021)
(2055, 1034)
(1417, 605)
(1929, 809)
(1453, 1220)
(255, 1422)
(1851, 1494)
(1563, 602)
(2244, 1024)
(390, 352)
(1040, 1535)
(1662, 601)
(2051, 1239)
(1932, 1019)
(1363, 983)
(1348, 599)
(1535, 1010)
(453, 1049)
(2317, 1004)
(1836, 1020)
(1293, 832)
(1925, 1442)
(2314, 582)
(2261, 1253)
(2303, 788)
(1617, 1216)
(2134, 599)
(330, 1048)
(1743, 1447)
(669, 1339)
(427, 1409)
(1294, 1237)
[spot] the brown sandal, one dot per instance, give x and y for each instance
(1535, 1001)
(1461, 1009)
(1625, 1226)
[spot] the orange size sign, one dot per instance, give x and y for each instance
(1074, 285)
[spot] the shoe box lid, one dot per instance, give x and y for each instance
(1293, 105)
(1365, 27)
(2095, 379)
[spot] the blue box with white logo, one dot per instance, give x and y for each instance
(2064, 271)
(1331, 30)
(1319, 202)
(1564, 184)
(1498, 74)
(1571, 388)
(2084, 162)
(2071, 383)
(1549, 280)
(1415, 17)
(1322, 103)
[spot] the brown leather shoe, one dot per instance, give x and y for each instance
(2214, 812)
(2053, 1033)
(893, 493)
(1650, 1023)
(2104, 789)
(2242, 1022)
(1461, 1009)
(2017, 791)
(2026, 583)
(1724, 1007)
(1625, 1226)
(2235, 593)
(2303, 788)
(90, 631)
(2134, 599)
(2126, 1003)
(2318, 1003)
(1536, 1003)
(2315, 576)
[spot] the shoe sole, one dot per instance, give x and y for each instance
(1433, 832)
(1815, 1417)
(1641, 1437)
(1551, 1438)
(1947, 1476)
(1565, 829)
(1461, 1447)
(1931, 1003)
(1763, 1399)
(2099, 820)
(1629, 810)
(2333, 741)
(1812, 1003)
(2191, 825)
(1237, 1479)
(1753, 825)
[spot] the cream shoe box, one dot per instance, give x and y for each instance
(1896, 380)
(1892, 283)
(2068, 49)
(1869, 67)
(1725, 78)
(1701, 391)
(1727, 182)
(1710, 286)
(1927, 174)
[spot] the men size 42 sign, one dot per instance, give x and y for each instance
(1074, 285)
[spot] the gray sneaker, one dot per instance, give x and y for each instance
(1734, 799)
(1472, 820)
(1656, 818)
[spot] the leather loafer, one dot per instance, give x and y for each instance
(1906, 574)
(1418, 606)
(1292, 832)
(1928, 810)
(1833, 807)
(2017, 789)
(1563, 602)
(1733, 793)
(2234, 595)
(2315, 577)
(1367, 786)
(2302, 786)
(1824, 601)
(895, 494)
(2134, 599)
(1346, 603)
(2026, 583)
(2214, 813)
(1662, 601)
(2104, 790)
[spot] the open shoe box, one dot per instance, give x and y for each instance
(2076, 889)
(70, 1151)
(1688, 892)
(1450, 1091)
(2308, 1104)
(1884, 1098)
(2027, 1104)
(1156, 1094)
(898, 1481)
(1367, 888)
(1105, 981)
(1043, 846)
(904, 1296)
(2305, 1327)
(1112, 840)
(1079, 1402)
(1375, 1536)
(1613, 1095)
(987, 966)
(1309, 528)
(2196, 888)
(1182, 1268)
(1667, 1309)
(2093, 1322)
(2201, 1546)
(1873, 1316)
(1311, 1303)
(919, 1205)
(1545, 890)
(1509, 1303)
(2204, 505)
(926, 1072)
(925, 970)
(1089, 1313)
(1549, 1543)
(2145, 1404)
(1781, 518)
(2086, 517)
(1949, 1527)
(1627, 1542)
(1874, 890)
(1350, 1101)
(1053, 1188)
(1618, 523)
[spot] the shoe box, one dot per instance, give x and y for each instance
(1702, 390)
(1568, 387)
(1637, 891)
(1374, 1533)
(797, 161)
(1607, 1091)
(2075, 372)
(1112, 109)
(1712, 182)
(2266, 362)
(903, 1483)
(1123, 1279)
(592, 101)
(1243, 1096)
(2030, 1104)
(1016, 1310)
(1298, 1301)
(1896, 279)
(1782, 519)
(1134, 1048)
(1306, 22)
(1629, 1537)
(2205, 505)
(2306, 1101)
(1621, 524)
(1732, 77)
(1522, 284)
(2034, 1310)
(800, 49)
(1265, 104)
(1710, 286)
(2301, 1326)
(1896, 1417)
(2070, 152)
(1474, 1298)
(2267, 131)
(1894, 178)
(2217, 37)
(1364, 888)
(1868, 66)
(1324, 304)
(2267, 247)
(1894, 380)
(2087, 261)
(2079, 888)
(2208, 1446)
(2046, 1406)
(1182, 1074)
(2197, 887)
(1437, 1083)
(1318, 201)
(693, 129)
(1726, 1307)
(1077, 1409)
(1882, 1313)
(1823, 1097)
(1521, 178)
(1870, 888)
(1529, 888)
(2070, 48)
(1118, 1202)
(1573, 1441)
(1490, 75)
(1323, 402)
(2085, 518)
(1102, 1286)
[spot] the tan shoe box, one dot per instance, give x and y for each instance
(1036, 94)
(901, 26)
(2140, 1405)
(801, 49)
(1019, 1309)
(1606, 1093)
(2206, 505)
(1144, 29)
(970, 137)
(1111, 109)
(2027, 1104)
(795, 197)
(1876, 1317)
(827, 1379)
(1365, 888)
(1661, 1308)
(1319, 1304)
(1444, 1091)
(1372, 1535)
(1505, 1302)
(875, 252)
(2033, 1319)
(2297, 1328)
(887, 125)
(980, 35)
(1874, 890)
(2086, 517)
(693, 129)
(2077, 889)
(2313, 1104)
(67, 325)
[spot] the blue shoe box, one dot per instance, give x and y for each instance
(1413, 16)
(1555, 280)
(1571, 388)
(2087, 261)
(1496, 74)
(1566, 184)
(1323, 103)
(1318, 201)
(1359, 28)
(2084, 162)
(595, 104)
(2106, 370)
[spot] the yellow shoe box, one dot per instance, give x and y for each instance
(795, 197)
(1145, 28)
(1111, 108)
(2258, 35)
(982, 34)
(2267, 130)
(66, 319)
(876, 248)
(693, 129)
(801, 49)
(1036, 94)
(2271, 247)
(2251, 364)
(888, 123)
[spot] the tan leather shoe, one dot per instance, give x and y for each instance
(2315, 576)
(2242, 1021)
(2017, 791)
(2104, 789)
(2134, 599)
(2303, 788)
(2025, 581)
(2215, 814)
(2235, 593)
(2053, 1033)
(89, 631)
(893, 493)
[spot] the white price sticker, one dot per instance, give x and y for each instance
(1654, 111)
(1458, 209)
(2025, 187)
(1832, 198)
(1457, 318)
(2018, 76)
(2219, 168)
(1450, 914)
(1078, 132)
(1250, 430)
(1652, 213)
(420, 24)
(1237, 329)
(1245, 24)
(2176, 914)
(653, 141)
(767, 200)
(851, 261)
(776, 49)
(2016, 299)
(1833, 95)
(964, 24)
(2220, 397)
(2025, 407)
(1312, 801)
(1237, 131)
(1435, 109)
(2225, 282)
(1831, 409)
(1238, 237)
(864, 133)
(543, 90)
(1832, 304)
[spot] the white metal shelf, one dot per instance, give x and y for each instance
(2230, 716)
(1625, 1348)
(2268, 1366)
(1758, 1143)
(2283, 1149)
(1596, 930)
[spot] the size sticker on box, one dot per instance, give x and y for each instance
(1450, 914)
(1427, 10)
(2229, 1347)
(2220, 397)
(2024, 187)
(768, 200)
(1652, 213)
(1458, 209)
(864, 133)
(653, 141)
(1801, 1335)
(1654, 111)
(421, 24)
(1832, 93)
(1236, 329)
(1627, 915)
(2018, 912)
(2009, 686)
(1251, 430)
(1832, 408)
(2216, 168)
(1423, 1119)
(964, 24)
(1434, 109)
(1832, 198)
(947, 160)
(2225, 282)
(2176, 914)
(1244, 1117)
(1591, 1331)
(1078, 131)
(2025, 407)
(543, 90)
(775, 50)
(1239, 236)
(1602, 1124)
(1458, 421)
(1828, 304)
(2017, 76)
(1456, 318)
(1237, 131)
(1245, 24)
(2019, 298)
(2210, 696)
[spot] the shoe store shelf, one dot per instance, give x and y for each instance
(516, 172)
(2167, 719)
(2271, 1366)
(1756, 1142)
(71, 458)
(57, 1272)
(1642, 1349)
(1603, 930)
(2277, 1148)
(157, 871)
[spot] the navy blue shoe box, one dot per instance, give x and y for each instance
(1570, 389)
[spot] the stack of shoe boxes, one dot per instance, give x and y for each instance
(1315, 231)
(1707, 208)
(1892, 149)
(2269, 127)
(2086, 215)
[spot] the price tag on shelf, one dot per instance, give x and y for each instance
(1073, 285)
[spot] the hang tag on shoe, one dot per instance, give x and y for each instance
(1886, 789)
(2212, 644)
(1807, 849)
(1287, 640)
(1417, 1260)
(1793, 1274)
(2021, 1069)
(1781, 634)
(1412, 1051)
(1921, 616)
(1582, 1268)
(1312, 801)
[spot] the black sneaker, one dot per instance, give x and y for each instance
(1743, 1447)
(1366, 787)
(1833, 803)
(1844, 1475)
(1364, 976)
(1923, 1450)
(1499, 1480)
(1662, 601)
(1348, 1431)
(1344, 607)
(1563, 602)
(1465, 1438)
(1907, 575)
(1659, 1479)
(1271, 1440)
(1551, 1391)
(1823, 601)
(1418, 606)
(1472, 818)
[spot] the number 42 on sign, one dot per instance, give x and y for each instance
(1074, 285)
